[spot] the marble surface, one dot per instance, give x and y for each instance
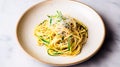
(11, 55)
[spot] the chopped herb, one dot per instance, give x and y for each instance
(66, 25)
(69, 39)
(48, 16)
(50, 19)
(58, 20)
(64, 18)
(45, 41)
(60, 16)
(43, 22)
(63, 38)
(53, 52)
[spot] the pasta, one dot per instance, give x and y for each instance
(62, 35)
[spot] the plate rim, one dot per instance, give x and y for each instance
(55, 64)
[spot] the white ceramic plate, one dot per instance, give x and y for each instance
(37, 13)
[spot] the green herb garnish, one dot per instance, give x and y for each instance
(50, 19)
(53, 52)
(69, 45)
(45, 41)
(60, 16)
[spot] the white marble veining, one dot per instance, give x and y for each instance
(11, 55)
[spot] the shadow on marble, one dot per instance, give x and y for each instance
(4, 38)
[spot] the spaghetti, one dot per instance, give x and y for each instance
(62, 35)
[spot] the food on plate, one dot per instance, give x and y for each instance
(61, 34)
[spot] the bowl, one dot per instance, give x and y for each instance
(35, 14)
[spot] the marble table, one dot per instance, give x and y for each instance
(11, 55)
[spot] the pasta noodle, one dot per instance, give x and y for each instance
(62, 35)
